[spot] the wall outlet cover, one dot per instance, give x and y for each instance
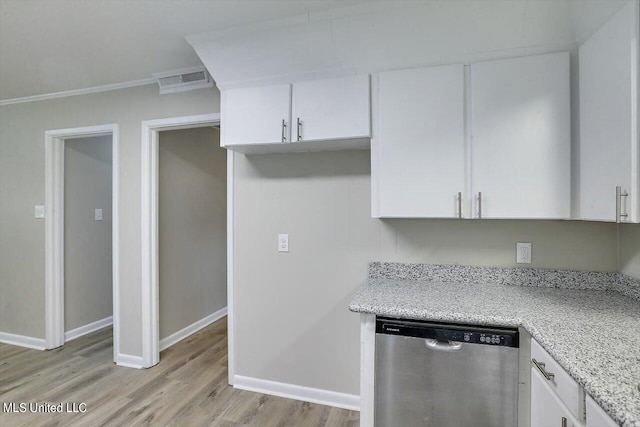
(283, 243)
(38, 211)
(523, 253)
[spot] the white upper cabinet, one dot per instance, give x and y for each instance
(257, 115)
(328, 114)
(517, 159)
(609, 120)
(521, 137)
(338, 108)
(420, 166)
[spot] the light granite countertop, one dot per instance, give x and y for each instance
(593, 334)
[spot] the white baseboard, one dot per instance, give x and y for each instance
(297, 392)
(87, 329)
(23, 341)
(191, 329)
(129, 361)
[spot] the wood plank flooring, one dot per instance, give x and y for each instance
(187, 388)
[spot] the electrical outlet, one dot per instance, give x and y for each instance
(98, 215)
(523, 253)
(38, 211)
(283, 243)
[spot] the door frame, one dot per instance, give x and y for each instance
(54, 229)
(149, 227)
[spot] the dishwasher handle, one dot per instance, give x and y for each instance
(442, 345)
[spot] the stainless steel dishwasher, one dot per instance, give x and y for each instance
(445, 375)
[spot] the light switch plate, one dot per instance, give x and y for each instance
(98, 215)
(283, 243)
(38, 211)
(523, 253)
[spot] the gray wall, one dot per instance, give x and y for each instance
(323, 201)
(192, 216)
(22, 128)
(629, 262)
(87, 243)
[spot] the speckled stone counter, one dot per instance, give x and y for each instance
(593, 333)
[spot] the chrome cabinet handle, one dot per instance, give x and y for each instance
(459, 205)
(564, 422)
(619, 195)
(541, 367)
(284, 128)
(442, 345)
(299, 128)
(479, 205)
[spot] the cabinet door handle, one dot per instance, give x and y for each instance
(459, 204)
(479, 205)
(284, 128)
(299, 129)
(564, 422)
(619, 195)
(541, 367)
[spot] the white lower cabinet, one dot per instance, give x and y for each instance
(557, 400)
(596, 417)
(547, 410)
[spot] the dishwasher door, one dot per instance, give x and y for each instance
(442, 375)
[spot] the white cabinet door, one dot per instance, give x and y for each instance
(596, 417)
(326, 109)
(608, 119)
(547, 410)
(256, 115)
(420, 162)
(521, 137)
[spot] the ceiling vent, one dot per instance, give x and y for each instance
(183, 80)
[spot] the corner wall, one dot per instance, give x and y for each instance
(629, 249)
(22, 128)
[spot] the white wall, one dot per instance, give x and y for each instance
(88, 275)
(629, 262)
(192, 216)
(323, 201)
(22, 128)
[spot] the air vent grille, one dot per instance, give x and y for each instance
(192, 77)
(183, 80)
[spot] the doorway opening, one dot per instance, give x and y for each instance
(88, 294)
(92, 152)
(151, 343)
(192, 257)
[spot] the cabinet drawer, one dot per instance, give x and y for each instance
(566, 388)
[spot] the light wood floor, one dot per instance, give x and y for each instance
(187, 388)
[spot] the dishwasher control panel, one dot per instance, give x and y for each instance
(448, 332)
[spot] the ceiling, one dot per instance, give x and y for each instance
(49, 46)
(59, 45)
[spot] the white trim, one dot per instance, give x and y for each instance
(149, 224)
(192, 329)
(231, 361)
(75, 92)
(367, 373)
(88, 328)
(54, 229)
(633, 206)
(297, 392)
(129, 361)
(23, 341)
